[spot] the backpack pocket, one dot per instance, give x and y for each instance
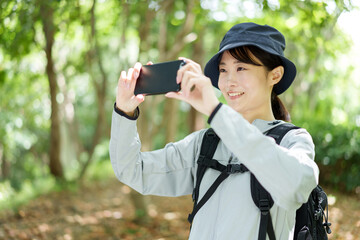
(304, 234)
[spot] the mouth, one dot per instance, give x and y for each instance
(233, 95)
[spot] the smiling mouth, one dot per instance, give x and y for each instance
(235, 94)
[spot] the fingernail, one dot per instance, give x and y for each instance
(136, 74)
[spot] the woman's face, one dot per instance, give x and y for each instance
(246, 87)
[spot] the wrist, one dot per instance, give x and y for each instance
(215, 110)
(127, 112)
(213, 106)
(132, 115)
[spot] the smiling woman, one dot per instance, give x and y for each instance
(250, 70)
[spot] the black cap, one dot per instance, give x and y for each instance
(262, 36)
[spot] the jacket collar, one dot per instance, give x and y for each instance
(264, 125)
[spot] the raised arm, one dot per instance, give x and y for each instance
(165, 172)
(288, 171)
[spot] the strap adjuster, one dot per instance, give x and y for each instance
(201, 159)
(235, 168)
(193, 195)
(264, 206)
(206, 161)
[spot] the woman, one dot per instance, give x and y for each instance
(250, 70)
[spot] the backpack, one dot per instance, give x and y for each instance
(311, 222)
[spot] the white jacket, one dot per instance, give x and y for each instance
(288, 172)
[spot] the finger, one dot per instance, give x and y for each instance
(191, 86)
(122, 79)
(135, 76)
(190, 66)
(179, 75)
(137, 69)
(129, 78)
(130, 74)
(149, 63)
(120, 87)
(185, 59)
(189, 81)
(189, 61)
(182, 72)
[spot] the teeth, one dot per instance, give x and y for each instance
(235, 94)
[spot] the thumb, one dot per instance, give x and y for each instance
(136, 100)
(139, 98)
(175, 95)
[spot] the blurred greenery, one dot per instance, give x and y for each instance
(95, 40)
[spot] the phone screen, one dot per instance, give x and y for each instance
(158, 78)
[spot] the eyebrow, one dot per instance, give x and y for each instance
(237, 61)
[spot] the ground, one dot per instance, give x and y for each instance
(103, 210)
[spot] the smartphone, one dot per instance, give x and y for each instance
(158, 78)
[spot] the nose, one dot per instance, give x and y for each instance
(231, 80)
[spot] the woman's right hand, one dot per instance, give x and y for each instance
(126, 101)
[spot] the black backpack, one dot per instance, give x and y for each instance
(311, 221)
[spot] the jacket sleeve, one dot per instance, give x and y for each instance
(165, 172)
(288, 172)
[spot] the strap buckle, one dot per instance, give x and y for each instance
(235, 168)
(206, 161)
(264, 206)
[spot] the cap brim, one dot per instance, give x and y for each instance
(212, 68)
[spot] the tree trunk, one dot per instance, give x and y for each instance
(46, 12)
(196, 119)
(171, 114)
(171, 111)
(144, 122)
(100, 88)
(5, 165)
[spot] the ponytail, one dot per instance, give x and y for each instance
(279, 110)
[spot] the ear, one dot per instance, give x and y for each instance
(275, 75)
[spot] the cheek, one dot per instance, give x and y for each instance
(221, 84)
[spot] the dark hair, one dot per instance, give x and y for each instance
(245, 54)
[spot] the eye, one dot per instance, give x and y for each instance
(222, 70)
(241, 69)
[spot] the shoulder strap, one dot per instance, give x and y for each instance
(280, 131)
(208, 148)
(207, 195)
(261, 197)
(205, 161)
(264, 202)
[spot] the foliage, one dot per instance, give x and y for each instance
(320, 99)
(337, 154)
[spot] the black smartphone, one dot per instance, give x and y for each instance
(158, 78)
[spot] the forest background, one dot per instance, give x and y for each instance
(60, 62)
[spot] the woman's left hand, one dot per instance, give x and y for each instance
(196, 88)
